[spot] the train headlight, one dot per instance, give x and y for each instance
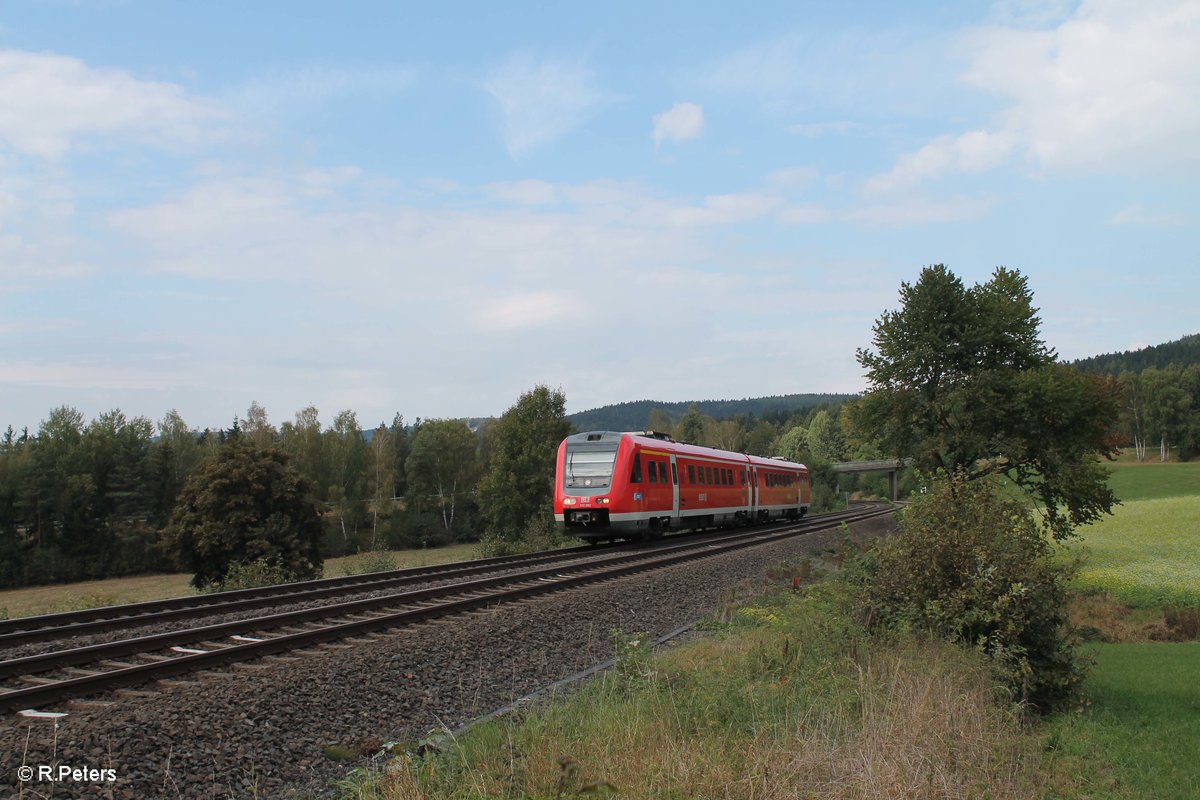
(569, 501)
(603, 501)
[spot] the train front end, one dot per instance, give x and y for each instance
(585, 484)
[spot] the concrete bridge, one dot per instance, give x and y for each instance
(888, 465)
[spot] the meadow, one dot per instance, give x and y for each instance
(1146, 554)
(1138, 736)
(138, 588)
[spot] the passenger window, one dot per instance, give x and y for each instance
(709, 476)
(662, 471)
(636, 475)
(700, 475)
(742, 472)
(692, 474)
(729, 477)
(650, 473)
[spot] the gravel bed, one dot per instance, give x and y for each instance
(262, 730)
(133, 628)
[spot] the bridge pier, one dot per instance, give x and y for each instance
(890, 466)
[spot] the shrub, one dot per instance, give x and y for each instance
(250, 575)
(368, 562)
(973, 567)
(242, 505)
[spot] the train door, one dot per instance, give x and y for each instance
(753, 493)
(674, 493)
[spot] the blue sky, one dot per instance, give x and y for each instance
(427, 209)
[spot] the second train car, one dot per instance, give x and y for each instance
(611, 485)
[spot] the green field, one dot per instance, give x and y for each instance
(1141, 736)
(1146, 555)
(1147, 481)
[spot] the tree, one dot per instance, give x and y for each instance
(383, 478)
(760, 438)
(245, 504)
(520, 480)
(173, 456)
(302, 441)
(257, 427)
(691, 427)
(347, 459)
(825, 437)
(960, 379)
(793, 444)
(660, 421)
(442, 465)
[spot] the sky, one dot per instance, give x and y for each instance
(429, 208)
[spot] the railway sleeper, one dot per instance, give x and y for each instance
(37, 680)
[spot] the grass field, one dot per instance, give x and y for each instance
(1146, 555)
(1140, 735)
(1149, 480)
(1143, 727)
(136, 588)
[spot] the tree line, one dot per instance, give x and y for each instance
(91, 499)
(1160, 396)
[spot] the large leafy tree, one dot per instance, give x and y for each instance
(442, 466)
(242, 504)
(520, 479)
(960, 379)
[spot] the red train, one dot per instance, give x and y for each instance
(612, 485)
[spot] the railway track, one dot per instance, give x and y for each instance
(51, 678)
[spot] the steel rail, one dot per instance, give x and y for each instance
(463, 596)
(68, 623)
(48, 627)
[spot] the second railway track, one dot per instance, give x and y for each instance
(53, 677)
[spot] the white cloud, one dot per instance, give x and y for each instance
(805, 215)
(542, 99)
(1137, 215)
(721, 209)
(529, 310)
(814, 129)
(679, 123)
(916, 211)
(306, 87)
(847, 74)
(975, 151)
(50, 101)
(793, 177)
(526, 193)
(1114, 88)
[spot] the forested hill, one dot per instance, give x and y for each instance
(1185, 352)
(632, 416)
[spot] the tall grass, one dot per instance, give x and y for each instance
(790, 701)
(1146, 554)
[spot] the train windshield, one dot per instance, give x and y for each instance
(590, 468)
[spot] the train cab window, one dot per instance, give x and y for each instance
(651, 473)
(635, 476)
(674, 475)
(692, 474)
(662, 472)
